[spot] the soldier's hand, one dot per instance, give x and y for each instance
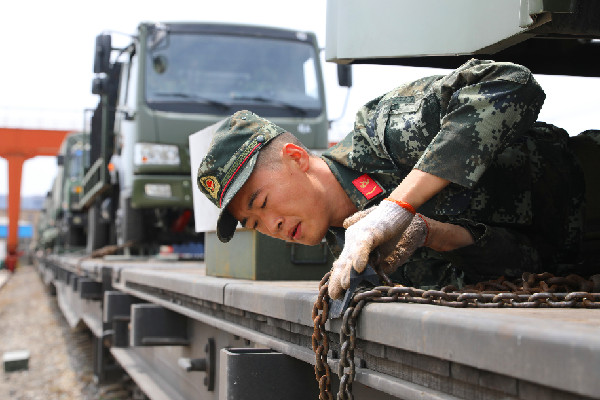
(381, 223)
(393, 253)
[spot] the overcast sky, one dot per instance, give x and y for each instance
(48, 48)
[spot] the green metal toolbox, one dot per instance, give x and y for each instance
(252, 255)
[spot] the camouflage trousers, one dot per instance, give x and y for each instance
(496, 252)
(509, 251)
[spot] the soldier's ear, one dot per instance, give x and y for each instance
(296, 155)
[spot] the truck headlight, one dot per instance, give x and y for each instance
(155, 154)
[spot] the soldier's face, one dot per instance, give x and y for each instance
(282, 203)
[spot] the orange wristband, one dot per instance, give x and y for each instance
(404, 205)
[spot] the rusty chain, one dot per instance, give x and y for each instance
(320, 340)
(346, 366)
(531, 291)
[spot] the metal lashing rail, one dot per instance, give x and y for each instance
(531, 291)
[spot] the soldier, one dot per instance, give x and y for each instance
(496, 192)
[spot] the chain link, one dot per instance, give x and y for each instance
(346, 367)
(531, 291)
(320, 340)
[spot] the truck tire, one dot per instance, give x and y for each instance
(75, 237)
(130, 225)
(97, 232)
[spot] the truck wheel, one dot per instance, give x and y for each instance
(97, 234)
(129, 224)
(75, 237)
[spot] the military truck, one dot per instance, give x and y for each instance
(62, 224)
(549, 37)
(172, 80)
(70, 220)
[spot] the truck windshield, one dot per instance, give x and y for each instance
(76, 161)
(221, 74)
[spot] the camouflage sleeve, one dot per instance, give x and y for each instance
(485, 106)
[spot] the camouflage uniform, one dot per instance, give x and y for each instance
(515, 185)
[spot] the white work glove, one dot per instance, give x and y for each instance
(369, 229)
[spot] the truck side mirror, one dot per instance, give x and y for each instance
(344, 72)
(60, 160)
(102, 55)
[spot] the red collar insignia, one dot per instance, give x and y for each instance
(367, 186)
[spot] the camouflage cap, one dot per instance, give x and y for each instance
(230, 160)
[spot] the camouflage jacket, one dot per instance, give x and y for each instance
(476, 128)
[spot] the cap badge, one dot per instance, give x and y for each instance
(211, 185)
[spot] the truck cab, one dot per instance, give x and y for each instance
(174, 79)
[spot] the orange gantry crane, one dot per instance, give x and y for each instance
(16, 146)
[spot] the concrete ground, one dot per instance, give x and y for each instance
(4, 276)
(60, 363)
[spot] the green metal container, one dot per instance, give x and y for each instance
(252, 255)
